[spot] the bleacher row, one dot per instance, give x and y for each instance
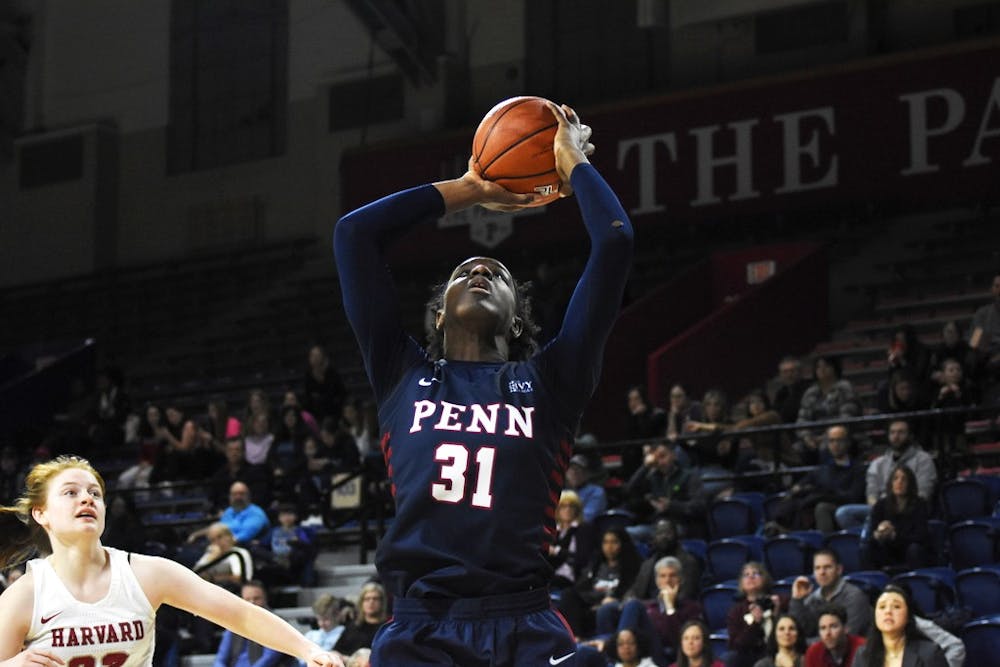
(965, 580)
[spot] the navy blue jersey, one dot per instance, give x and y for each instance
(476, 451)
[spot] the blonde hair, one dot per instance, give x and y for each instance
(326, 606)
(372, 587)
(22, 536)
(572, 499)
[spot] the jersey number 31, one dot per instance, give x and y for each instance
(454, 459)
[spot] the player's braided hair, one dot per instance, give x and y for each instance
(520, 348)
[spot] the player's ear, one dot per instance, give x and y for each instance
(439, 318)
(516, 327)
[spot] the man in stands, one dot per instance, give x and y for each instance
(836, 646)
(808, 603)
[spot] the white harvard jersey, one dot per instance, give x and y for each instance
(117, 631)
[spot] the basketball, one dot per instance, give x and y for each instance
(513, 148)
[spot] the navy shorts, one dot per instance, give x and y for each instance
(518, 630)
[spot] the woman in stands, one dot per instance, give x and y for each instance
(696, 649)
(786, 647)
(895, 640)
(750, 621)
(899, 524)
(85, 603)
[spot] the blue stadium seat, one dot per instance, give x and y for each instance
(729, 517)
(715, 602)
(982, 641)
(770, 503)
(613, 518)
(963, 499)
(978, 589)
(933, 588)
(788, 556)
(972, 543)
(756, 500)
(726, 557)
(870, 581)
(720, 645)
(847, 545)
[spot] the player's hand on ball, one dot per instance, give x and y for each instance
(493, 196)
(571, 144)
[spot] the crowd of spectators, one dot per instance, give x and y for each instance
(629, 588)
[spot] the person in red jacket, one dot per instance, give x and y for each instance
(836, 646)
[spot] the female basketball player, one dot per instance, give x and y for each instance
(477, 429)
(86, 605)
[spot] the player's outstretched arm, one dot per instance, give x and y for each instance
(167, 582)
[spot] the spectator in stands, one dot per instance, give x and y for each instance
(361, 421)
(786, 646)
(152, 430)
(336, 447)
(286, 458)
(715, 453)
(324, 389)
(223, 562)
(952, 346)
(258, 441)
(291, 399)
(899, 518)
(662, 618)
(665, 542)
(328, 629)
(236, 469)
(664, 488)
(578, 479)
(836, 645)
(896, 640)
(838, 480)
(175, 420)
(952, 390)
(190, 459)
(235, 651)
(631, 649)
(219, 425)
(760, 452)
(903, 450)
(645, 422)
(606, 578)
(574, 543)
(246, 520)
(292, 550)
(808, 602)
(682, 410)
(696, 649)
(372, 613)
(791, 386)
(829, 397)
(258, 403)
(901, 393)
(984, 341)
(10, 475)
(907, 352)
(751, 618)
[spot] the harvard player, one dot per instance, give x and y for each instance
(477, 429)
(86, 605)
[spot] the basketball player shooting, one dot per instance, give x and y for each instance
(477, 428)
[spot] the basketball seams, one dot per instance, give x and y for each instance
(514, 145)
(496, 120)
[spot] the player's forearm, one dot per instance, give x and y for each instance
(270, 630)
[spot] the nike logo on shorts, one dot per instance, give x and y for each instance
(555, 661)
(425, 382)
(46, 619)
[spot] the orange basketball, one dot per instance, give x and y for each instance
(513, 148)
